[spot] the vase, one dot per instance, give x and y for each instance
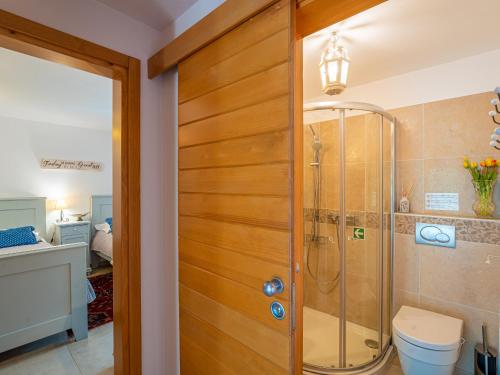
(483, 205)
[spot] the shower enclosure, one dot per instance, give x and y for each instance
(349, 216)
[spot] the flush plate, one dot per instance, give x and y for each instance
(435, 235)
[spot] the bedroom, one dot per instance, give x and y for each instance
(56, 258)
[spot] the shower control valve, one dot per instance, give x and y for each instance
(275, 286)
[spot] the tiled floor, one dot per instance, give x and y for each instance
(93, 356)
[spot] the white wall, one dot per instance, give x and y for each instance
(467, 76)
(96, 22)
(23, 143)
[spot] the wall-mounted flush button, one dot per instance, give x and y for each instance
(435, 234)
(278, 310)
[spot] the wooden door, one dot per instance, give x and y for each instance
(235, 198)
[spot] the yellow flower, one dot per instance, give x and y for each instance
(489, 162)
(498, 163)
(473, 164)
(466, 165)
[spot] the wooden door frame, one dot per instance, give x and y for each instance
(28, 37)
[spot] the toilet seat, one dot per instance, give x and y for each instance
(427, 329)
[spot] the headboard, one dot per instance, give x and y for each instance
(18, 212)
(101, 209)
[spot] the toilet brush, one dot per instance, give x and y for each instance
(485, 358)
(485, 350)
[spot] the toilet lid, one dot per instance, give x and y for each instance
(428, 329)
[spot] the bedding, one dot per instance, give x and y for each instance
(109, 221)
(20, 249)
(17, 236)
(103, 243)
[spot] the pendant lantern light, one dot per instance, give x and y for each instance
(334, 67)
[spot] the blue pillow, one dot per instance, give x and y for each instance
(109, 220)
(17, 237)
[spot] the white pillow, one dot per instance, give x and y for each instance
(38, 237)
(104, 227)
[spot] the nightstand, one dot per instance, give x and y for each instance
(73, 232)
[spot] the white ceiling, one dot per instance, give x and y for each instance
(401, 36)
(155, 13)
(39, 90)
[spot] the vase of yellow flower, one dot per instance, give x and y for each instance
(484, 177)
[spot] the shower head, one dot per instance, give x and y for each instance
(316, 143)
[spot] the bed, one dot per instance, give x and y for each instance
(43, 288)
(101, 242)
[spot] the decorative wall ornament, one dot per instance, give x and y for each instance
(80, 165)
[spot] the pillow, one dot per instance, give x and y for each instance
(103, 227)
(109, 220)
(17, 237)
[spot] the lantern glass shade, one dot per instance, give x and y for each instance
(334, 69)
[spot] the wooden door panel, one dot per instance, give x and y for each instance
(258, 28)
(265, 211)
(258, 149)
(265, 341)
(244, 269)
(236, 356)
(260, 118)
(260, 87)
(232, 294)
(235, 198)
(266, 244)
(266, 179)
(245, 63)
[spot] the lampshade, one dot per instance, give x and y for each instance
(60, 204)
(334, 67)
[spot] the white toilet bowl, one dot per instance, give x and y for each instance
(427, 342)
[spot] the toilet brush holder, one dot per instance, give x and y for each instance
(485, 363)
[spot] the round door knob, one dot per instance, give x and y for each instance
(272, 287)
(278, 310)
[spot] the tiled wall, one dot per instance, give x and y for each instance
(457, 282)
(431, 141)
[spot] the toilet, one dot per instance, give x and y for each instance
(427, 342)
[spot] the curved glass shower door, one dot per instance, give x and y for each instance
(348, 178)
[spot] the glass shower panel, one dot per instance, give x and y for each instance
(321, 245)
(363, 274)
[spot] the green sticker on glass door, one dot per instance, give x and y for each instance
(358, 233)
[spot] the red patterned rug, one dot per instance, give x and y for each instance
(101, 310)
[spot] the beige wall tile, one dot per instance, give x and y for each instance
(362, 256)
(461, 275)
(406, 263)
(405, 298)
(331, 175)
(355, 139)
(473, 320)
(411, 172)
(355, 186)
(330, 142)
(449, 176)
(457, 127)
(409, 132)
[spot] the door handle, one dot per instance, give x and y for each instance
(275, 286)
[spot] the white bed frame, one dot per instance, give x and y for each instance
(101, 209)
(42, 292)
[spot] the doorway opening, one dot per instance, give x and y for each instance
(118, 207)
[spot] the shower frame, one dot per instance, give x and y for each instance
(384, 350)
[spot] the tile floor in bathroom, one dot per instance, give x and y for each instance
(92, 356)
(395, 369)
